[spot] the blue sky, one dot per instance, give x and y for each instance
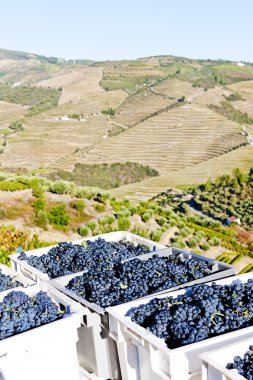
(121, 29)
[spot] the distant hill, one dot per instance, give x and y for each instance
(188, 119)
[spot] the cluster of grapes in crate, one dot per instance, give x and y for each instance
(7, 282)
(19, 312)
(244, 366)
(67, 258)
(107, 281)
(201, 312)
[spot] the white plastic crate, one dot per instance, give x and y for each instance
(45, 352)
(100, 356)
(17, 277)
(97, 351)
(36, 275)
(143, 356)
(214, 362)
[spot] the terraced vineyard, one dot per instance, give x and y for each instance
(175, 88)
(241, 157)
(172, 140)
(139, 107)
(56, 142)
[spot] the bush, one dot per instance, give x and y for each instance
(156, 235)
(110, 219)
(214, 241)
(39, 205)
(12, 186)
(205, 246)
(173, 223)
(109, 111)
(192, 243)
(38, 192)
(161, 221)
(185, 232)
(179, 243)
(99, 207)
(78, 205)
(181, 225)
(133, 210)
(83, 231)
(62, 187)
(146, 216)
(102, 221)
(59, 216)
(124, 224)
(124, 213)
(92, 225)
(42, 219)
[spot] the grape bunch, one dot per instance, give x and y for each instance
(202, 312)
(67, 258)
(244, 366)
(19, 312)
(110, 285)
(6, 282)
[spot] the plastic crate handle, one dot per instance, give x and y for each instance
(27, 273)
(138, 340)
(153, 361)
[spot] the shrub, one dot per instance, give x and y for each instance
(214, 241)
(179, 243)
(156, 235)
(192, 243)
(185, 232)
(124, 213)
(38, 192)
(39, 205)
(110, 219)
(83, 192)
(205, 246)
(62, 187)
(133, 210)
(124, 224)
(59, 216)
(104, 196)
(146, 216)
(102, 221)
(109, 111)
(140, 231)
(92, 225)
(99, 207)
(200, 234)
(181, 225)
(12, 186)
(161, 221)
(78, 205)
(42, 219)
(83, 231)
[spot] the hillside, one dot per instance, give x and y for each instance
(36, 212)
(189, 120)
